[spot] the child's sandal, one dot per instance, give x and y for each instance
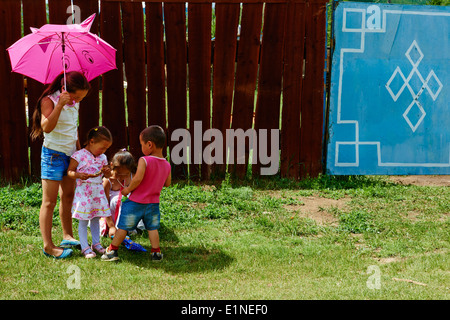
(88, 253)
(98, 247)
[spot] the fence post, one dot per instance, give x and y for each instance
(227, 19)
(113, 103)
(270, 73)
(246, 75)
(90, 106)
(134, 54)
(34, 15)
(311, 134)
(14, 138)
(175, 22)
(156, 78)
(199, 49)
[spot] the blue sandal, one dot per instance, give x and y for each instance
(69, 243)
(65, 254)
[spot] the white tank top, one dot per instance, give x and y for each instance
(64, 136)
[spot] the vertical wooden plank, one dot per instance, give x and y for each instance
(246, 74)
(34, 15)
(175, 23)
(270, 74)
(57, 10)
(113, 103)
(199, 35)
(227, 19)
(156, 78)
(13, 141)
(311, 136)
(89, 113)
(292, 89)
(134, 53)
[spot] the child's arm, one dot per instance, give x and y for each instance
(106, 170)
(168, 180)
(72, 171)
(51, 113)
(137, 178)
(112, 228)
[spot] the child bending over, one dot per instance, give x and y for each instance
(152, 174)
(123, 166)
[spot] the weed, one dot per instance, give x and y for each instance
(357, 221)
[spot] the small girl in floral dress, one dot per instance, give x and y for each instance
(89, 203)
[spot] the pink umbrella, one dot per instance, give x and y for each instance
(52, 49)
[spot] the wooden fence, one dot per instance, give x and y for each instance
(177, 74)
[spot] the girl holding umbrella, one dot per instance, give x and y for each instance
(56, 116)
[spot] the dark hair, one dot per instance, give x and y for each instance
(154, 134)
(125, 159)
(99, 134)
(74, 81)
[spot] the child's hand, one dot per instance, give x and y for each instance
(82, 175)
(112, 231)
(125, 192)
(106, 171)
(65, 99)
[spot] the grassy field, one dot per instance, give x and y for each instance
(325, 238)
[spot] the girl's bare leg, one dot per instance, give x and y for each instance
(49, 198)
(66, 193)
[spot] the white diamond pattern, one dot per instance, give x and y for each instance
(414, 56)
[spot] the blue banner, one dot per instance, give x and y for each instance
(390, 90)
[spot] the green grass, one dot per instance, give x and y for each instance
(242, 240)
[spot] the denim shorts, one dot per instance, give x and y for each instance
(132, 212)
(54, 164)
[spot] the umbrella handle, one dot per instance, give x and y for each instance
(63, 46)
(65, 88)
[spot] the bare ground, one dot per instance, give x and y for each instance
(438, 180)
(321, 209)
(318, 209)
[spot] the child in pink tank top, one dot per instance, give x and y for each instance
(156, 172)
(152, 174)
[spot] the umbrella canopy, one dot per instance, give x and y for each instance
(52, 49)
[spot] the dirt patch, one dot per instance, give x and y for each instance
(318, 209)
(321, 210)
(389, 260)
(412, 215)
(438, 180)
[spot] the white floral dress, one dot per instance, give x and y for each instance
(90, 200)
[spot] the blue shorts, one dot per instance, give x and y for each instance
(132, 212)
(54, 164)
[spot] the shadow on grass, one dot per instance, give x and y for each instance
(178, 258)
